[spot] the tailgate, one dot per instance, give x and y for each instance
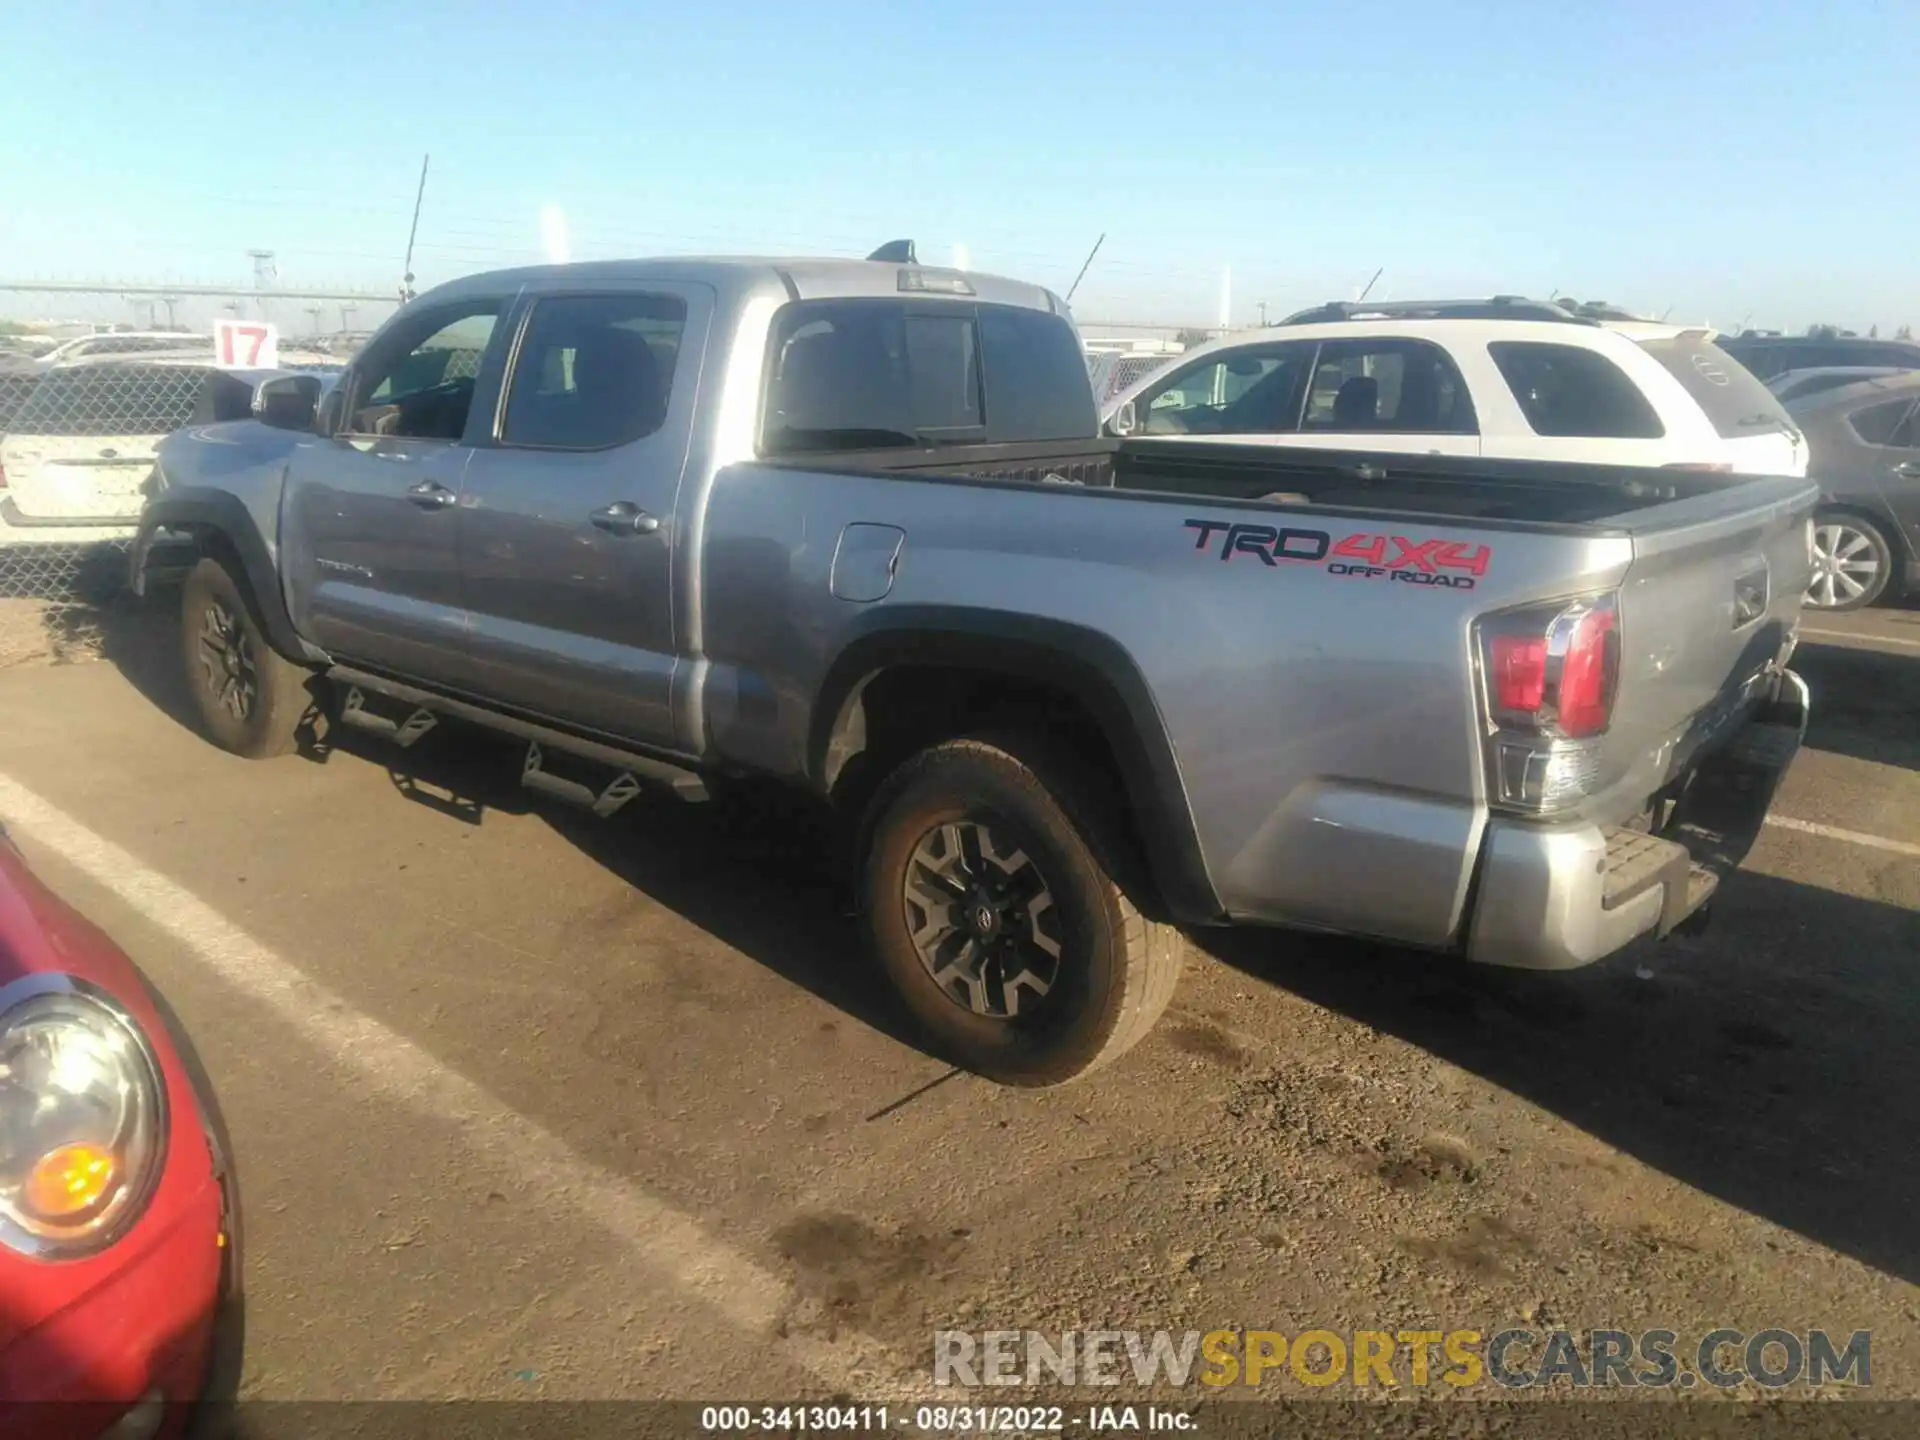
(74, 478)
(1709, 604)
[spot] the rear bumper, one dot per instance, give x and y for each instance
(1553, 897)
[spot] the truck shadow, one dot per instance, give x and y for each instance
(1768, 1063)
(754, 867)
(1864, 701)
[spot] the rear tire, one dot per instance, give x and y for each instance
(1852, 562)
(988, 893)
(249, 699)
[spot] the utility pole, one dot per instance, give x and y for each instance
(420, 194)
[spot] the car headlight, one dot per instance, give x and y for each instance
(83, 1120)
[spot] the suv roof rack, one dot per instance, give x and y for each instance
(1498, 307)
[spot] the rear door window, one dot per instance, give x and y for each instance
(593, 371)
(1396, 386)
(1891, 423)
(1735, 401)
(1569, 391)
(112, 399)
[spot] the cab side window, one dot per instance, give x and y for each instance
(1240, 392)
(416, 382)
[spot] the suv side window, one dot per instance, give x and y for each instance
(1568, 390)
(593, 371)
(1893, 423)
(1404, 386)
(1251, 391)
(417, 382)
(868, 374)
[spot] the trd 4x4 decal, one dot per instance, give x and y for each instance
(1444, 564)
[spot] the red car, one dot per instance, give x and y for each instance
(121, 1305)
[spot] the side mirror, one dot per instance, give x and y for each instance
(288, 402)
(1124, 421)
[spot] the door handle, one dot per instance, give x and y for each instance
(1908, 469)
(430, 495)
(623, 517)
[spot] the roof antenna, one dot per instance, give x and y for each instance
(896, 252)
(1084, 264)
(1370, 284)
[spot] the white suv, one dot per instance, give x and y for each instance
(1508, 378)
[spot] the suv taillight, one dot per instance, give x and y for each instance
(1549, 674)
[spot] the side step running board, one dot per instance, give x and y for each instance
(405, 732)
(633, 767)
(622, 788)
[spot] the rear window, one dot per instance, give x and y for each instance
(869, 374)
(112, 400)
(1734, 399)
(1034, 385)
(1567, 390)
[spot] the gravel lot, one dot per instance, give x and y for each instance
(533, 1106)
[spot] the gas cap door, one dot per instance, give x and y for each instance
(865, 561)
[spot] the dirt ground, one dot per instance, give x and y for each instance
(535, 1106)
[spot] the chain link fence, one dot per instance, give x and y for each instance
(77, 448)
(58, 601)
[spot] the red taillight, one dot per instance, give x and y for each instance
(1587, 676)
(1551, 669)
(1519, 673)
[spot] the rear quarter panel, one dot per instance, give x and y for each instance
(1309, 713)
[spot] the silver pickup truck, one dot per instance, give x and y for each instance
(845, 524)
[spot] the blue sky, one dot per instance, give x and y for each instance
(1725, 159)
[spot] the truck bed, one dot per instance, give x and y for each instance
(1350, 481)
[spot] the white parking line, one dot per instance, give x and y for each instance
(1852, 837)
(665, 1240)
(1862, 639)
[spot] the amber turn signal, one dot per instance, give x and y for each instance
(67, 1182)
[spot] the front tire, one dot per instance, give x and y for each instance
(989, 897)
(1852, 562)
(249, 699)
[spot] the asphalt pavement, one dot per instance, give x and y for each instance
(531, 1105)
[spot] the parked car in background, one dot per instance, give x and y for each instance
(1502, 377)
(121, 1292)
(79, 442)
(125, 342)
(1771, 355)
(82, 440)
(1866, 457)
(847, 525)
(1791, 385)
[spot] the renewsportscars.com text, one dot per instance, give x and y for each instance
(1512, 1358)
